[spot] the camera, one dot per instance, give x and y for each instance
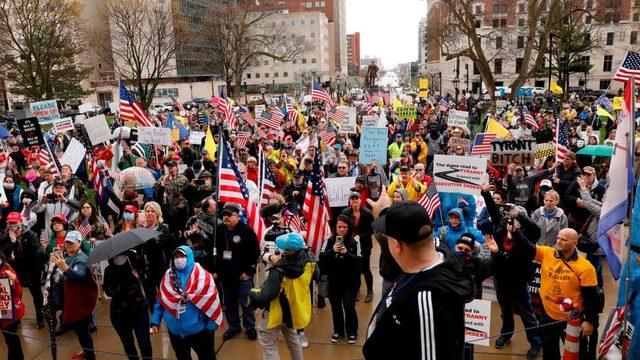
(198, 182)
(52, 197)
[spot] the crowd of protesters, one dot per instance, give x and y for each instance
(52, 218)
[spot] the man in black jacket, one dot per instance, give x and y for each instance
(236, 255)
(422, 316)
(573, 204)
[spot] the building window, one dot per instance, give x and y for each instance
(266, 62)
(633, 39)
(496, 8)
(503, 23)
(521, 22)
(308, 4)
(302, 22)
(522, 7)
(312, 21)
(313, 60)
(295, 61)
(304, 61)
(476, 71)
(636, 17)
(604, 84)
(587, 19)
(168, 92)
(317, 3)
(496, 23)
(499, 42)
(257, 76)
(285, 74)
(275, 75)
(478, 23)
(312, 35)
(520, 42)
(497, 66)
(585, 59)
(248, 76)
(266, 75)
(589, 4)
(610, 37)
(608, 62)
(518, 64)
(293, 22)
(478, 9)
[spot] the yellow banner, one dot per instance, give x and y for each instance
(617, 102)
(424, 88)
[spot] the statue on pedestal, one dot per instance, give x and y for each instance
(372, 74)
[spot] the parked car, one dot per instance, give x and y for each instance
(190, 105)
(201, 101)
(161, 107)
(169, 106)
(539, 90)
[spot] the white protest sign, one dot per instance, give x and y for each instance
(348, 124)
(383, 119)
(114, 106)
(373, 144)
(458, 118)
(369, 120)
(195, 137)
(258, 110)
(489, 289)
(79, 119)
(97, 129)
(154, 135)
(501, 104)
(459, 174)
(477, 322)
(74, 155)
(6, 299)
(338, 190)
(85, 108)
(45, 111)
(62, 125)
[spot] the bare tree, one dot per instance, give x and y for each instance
(40, 47)
(238, 35)
(144, 42)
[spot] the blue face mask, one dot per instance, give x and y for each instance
(128, 216)
(463, 255)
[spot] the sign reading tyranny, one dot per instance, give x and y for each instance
(459, 174)
(6, 299)
(519, 152)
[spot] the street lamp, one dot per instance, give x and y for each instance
(456, 84)
(263, 89)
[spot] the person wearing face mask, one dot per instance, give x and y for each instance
(190, 323)
(128, 221)
(29, 218)
(128, 310)
(449, 234)
(10, 199)
(9, 328)
(20, 246)
(199, 189)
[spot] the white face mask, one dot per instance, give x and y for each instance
(119, 260)
(9, 186)
(26, 201)
(180, 263)
(207, 182)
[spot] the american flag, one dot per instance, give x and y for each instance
(482, 144)
(294, 222)
(292, 113)
(430, 200)
(630, 68)
(84, 228)
(46, 161)
(242, 139)
(329, 136)
(316, 207)
(370, 98)
(529, 119)
(271, 119)
(319, 94)
(336, 115)
(200, 289)
(267, 181)
(177, 105)
(562, 140)
(613, 334)
(233, 189)
(225, 109)
(97, 176)
(245, 115)
(385, 97)
(130, 109)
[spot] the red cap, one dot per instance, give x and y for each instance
(60, 217)
(14, 217)
(131, 209)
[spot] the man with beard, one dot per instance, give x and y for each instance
(520, 188)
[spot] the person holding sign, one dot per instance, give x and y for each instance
(415, 189)
(12, 309)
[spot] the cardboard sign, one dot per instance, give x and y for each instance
(154, 135)
(458, 118)
(519, 152)
(407, 112)
(348, 124)
(97, 129)
(85, 108)
(477, 322)
(369, 120)
(338, 190)
(74, 155)
(46, 111)
(258, 110)
(534, 289)
(62, 125)
(459, 174)
(195, 137)
(465, 143)
(489, 289)
(373, 144)
(30, 132)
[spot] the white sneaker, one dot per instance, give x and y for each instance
(303, 340)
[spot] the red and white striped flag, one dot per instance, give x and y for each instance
(242, 139)
(200, 289)
(292, 113)
(482, 144)
(267, 182)
(271, 119)
(319, 94)
(131, 110)
(529, 119)
(46, 162)
(329, 136)
(84, 229)
(316, 208)
(245, 115)
(336, 115)
(562, 140)
(430, 200)
(225, 109)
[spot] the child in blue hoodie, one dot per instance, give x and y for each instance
(449, 234)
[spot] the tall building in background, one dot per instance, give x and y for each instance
(353, 54)
(422, 45)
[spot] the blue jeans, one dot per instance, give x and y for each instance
(235, 293)
(513, 297)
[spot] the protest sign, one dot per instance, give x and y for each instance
(195, 137)
(348, 124)
(85, 108)
(458, 118)
(79, 119)
(74, 155)
(459, 174)
(519, 152)
(373, 144)
(30, 132)
(407, 112)
(97, 129)
(114, 106)
(369, 120)
(501, 104)
(46, 111)
(477, 322)
(534, 288)
(62, 125)
(617, 102)
(154, 135)
(258, 110)
(6, 299)
(424, 88)
(338, 190)
(465, 143)
(489, 289)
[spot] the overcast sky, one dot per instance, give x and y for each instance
(388, 28)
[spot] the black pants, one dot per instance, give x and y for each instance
(35, 288)
(130, 323)
(12, 340)
(552, 334)
(81, 328)
(202, 343)
(365, 269)
(343, 309)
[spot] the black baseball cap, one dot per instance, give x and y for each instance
(405, 221)
(231, 208)
(404, 168)
(170, 163)
(298, 173)
(58, 182)
(354, 195)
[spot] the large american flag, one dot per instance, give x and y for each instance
(430, 200)
(629, 68)
(529, 119)
(242, 139)
(130, 109)
(245, 115)
(177, 105)
(370, 98)
(329, 136)
(271, 119)
(233, 189)
(316, 207)
(292, 113)
(225, 109)
(268, 186)
(562, 139)
(319, 94)
(385, 97)
(482, 144)
(336, 115)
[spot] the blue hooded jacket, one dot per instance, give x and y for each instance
(454, 233)
(190, 322)
(449, 202)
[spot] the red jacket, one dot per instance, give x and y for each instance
(16, 289)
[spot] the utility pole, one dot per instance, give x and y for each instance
(550, 58)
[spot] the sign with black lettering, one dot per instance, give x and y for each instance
(6, 299)
(519, 152)
(30, 132)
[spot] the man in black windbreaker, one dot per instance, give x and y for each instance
(422, 315)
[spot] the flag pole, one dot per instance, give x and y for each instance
(217, 196)
(55, 163)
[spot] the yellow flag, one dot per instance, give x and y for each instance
(602, 112)
(302, 121)
(494, 127)
(396, 103)
(555, 88)
(341, 102)
(210, 144)
(617, 103)
(380, 102)
(175, 134)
